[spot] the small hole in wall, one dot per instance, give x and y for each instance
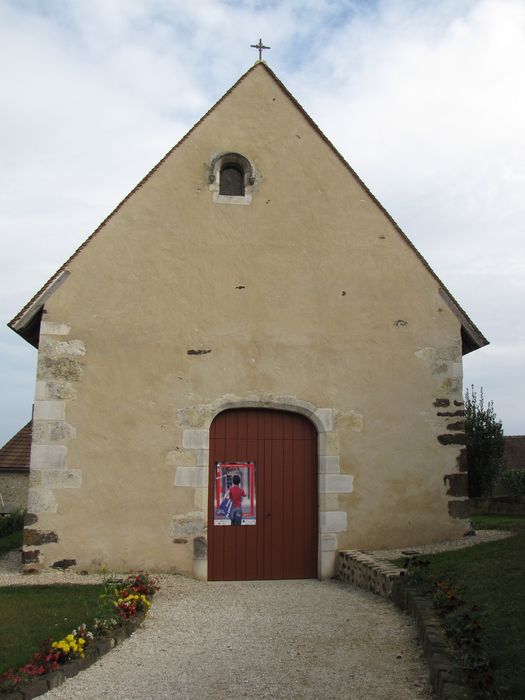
(343, 293)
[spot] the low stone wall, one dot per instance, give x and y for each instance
(498, 505)
(381, 577)
(369, 573)
(13, 487)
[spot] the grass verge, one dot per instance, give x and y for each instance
(498, 522)
(30, 614)
(491, 578)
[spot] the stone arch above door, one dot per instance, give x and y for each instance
(195, 421)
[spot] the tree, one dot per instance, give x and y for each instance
(485, 444)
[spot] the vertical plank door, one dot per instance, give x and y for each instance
(283, 542)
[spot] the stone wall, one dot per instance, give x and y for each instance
(369, 573)
(373, 574)
(499, 505)
(13, 488)
(60, 364)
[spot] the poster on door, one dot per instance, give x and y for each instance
(234, 498)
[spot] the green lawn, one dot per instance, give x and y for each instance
(492, 577)
(498, 522)
(31, 614)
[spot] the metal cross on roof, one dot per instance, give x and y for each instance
(260, 46)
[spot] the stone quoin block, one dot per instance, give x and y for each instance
(195, 439)
(49, 410)
(74, 348)
(457, 370)
(34, 538)
(329, 465)
(188, 524)
(54, 328)
(41, 391)
(202, 458)
(333, 521)
(48, 456)
(459, 508)
(336, 483)
(191, 476)
(325, 416)
(40, 500)
(328, 542)
(62, 479)
(327, 561)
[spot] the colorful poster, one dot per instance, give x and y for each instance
(234, 499)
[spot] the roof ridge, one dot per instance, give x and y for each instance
(477, 337)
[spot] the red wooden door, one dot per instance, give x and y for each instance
(283, 542)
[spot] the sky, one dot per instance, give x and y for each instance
(424, 99)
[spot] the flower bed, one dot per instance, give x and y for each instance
(124, 605)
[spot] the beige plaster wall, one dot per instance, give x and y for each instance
(308, 292)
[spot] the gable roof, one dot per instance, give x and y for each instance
(16, 453)
(26, 322)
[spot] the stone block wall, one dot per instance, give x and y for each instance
(60, 365)
(369, 573)
(381, 577)
(13, 488)
(499, 505)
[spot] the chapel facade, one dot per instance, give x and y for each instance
(249, 316)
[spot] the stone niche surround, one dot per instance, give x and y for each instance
(195, 423)
(60, 365)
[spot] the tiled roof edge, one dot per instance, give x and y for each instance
(20, 442)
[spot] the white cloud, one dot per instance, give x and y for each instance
(424, 100)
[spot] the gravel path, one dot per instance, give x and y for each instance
(261, 639)
(479, 537)
(256, 639)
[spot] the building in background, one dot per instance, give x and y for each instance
(14, 470)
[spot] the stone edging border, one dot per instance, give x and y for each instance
(41, 684)
(378, 576)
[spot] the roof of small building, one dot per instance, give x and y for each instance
(26, 322)
(515, 452)
(15, 455)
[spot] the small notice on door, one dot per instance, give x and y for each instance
(234, 500)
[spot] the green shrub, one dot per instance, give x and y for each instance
(11, 523)
(484, 442)
(513, 481)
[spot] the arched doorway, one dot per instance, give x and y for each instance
(274, 454)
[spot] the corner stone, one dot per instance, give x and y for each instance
(195, 439)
